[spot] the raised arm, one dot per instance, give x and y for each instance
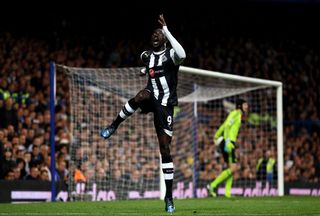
(179, 52)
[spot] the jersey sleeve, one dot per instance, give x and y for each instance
(220, 130)
(177, 52)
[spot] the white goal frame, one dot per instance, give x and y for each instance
(206, 73)
(278, 85)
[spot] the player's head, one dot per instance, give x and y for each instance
(242, 104)
(158, 40)
(269, 153)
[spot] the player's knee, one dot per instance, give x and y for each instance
(142, 96)
(165, 151)
(166, 158)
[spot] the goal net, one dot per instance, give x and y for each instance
(126, 166)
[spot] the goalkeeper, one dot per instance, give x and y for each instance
(226, 138)
(160, 96)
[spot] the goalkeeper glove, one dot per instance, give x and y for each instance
(218, 140)
(228, 146)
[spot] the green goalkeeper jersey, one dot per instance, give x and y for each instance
(230, 126)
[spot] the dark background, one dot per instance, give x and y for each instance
(123, 20)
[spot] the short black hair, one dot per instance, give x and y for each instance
(239, 103)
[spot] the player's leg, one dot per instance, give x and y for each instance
(228, 186)
(269, 178)
(131, 106)
(167, 169)
(225, 174)
(229, 180)
(233, 168)
(128, 109)
(222, 176)
(163, 124)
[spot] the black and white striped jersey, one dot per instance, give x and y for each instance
(162, 70)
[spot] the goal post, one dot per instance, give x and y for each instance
(279, 107)
(126, 166)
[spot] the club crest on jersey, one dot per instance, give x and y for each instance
(164, 58)
(151, 72)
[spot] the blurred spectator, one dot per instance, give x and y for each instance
(61, 171)
(78, 176)
(21, 164)
(17, 173)
(265, 168)
(7, 164)
(8, 114)
(9, 175)
(44, 175)
(34, 174)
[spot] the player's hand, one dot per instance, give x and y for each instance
(161, 20)
(228, 146)
(218, 140)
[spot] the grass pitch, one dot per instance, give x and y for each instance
(260, 206)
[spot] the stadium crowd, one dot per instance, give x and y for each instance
(25, 116)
